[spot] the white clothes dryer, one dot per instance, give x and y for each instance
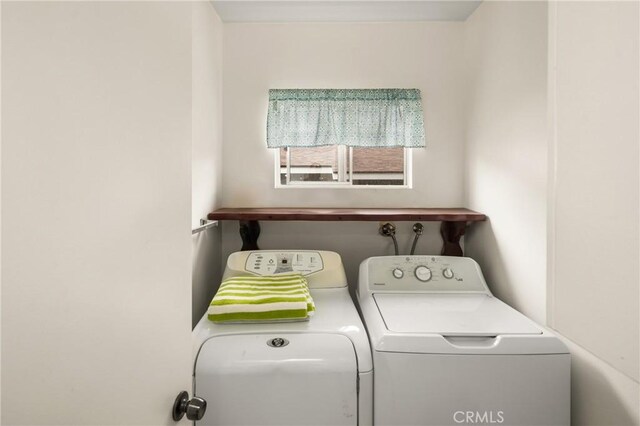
(447, 352)
(315, 372)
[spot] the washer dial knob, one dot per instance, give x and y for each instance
(423, 273)
(447, 273)
(398, 273)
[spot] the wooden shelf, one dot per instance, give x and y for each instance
(331, 214)
(454, 220)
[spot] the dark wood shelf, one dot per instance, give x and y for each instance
(340, 214)
(454, 220)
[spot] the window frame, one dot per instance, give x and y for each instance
(347, 156)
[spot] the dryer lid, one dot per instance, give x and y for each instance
(278, 379)
(451, 315)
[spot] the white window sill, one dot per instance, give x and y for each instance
(340, 186)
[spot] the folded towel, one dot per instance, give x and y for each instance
(282, 297)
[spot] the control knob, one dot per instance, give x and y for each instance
(447, 273)
(398, 273)
(423, 273)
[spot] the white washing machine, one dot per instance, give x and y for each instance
(447, 352)
(315, 372)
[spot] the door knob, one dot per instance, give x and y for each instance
(194, 408)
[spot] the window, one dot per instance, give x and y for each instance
(342, 166)
(344, 137)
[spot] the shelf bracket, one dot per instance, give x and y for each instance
(451, 233)
(249, 232)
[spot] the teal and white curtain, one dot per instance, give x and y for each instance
(351, 117)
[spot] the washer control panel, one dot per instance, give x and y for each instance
(422, 274)
(276, 262)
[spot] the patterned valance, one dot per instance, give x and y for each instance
(351, 117)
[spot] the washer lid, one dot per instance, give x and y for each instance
(451, 315)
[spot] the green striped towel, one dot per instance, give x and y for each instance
(282, 297)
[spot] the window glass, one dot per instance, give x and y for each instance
(378, 166)
(318, 164)
(331, 165)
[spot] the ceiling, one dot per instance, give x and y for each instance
(344, 11)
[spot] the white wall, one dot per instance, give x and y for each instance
(589, 191)
(258, 57)
(0, 210)
(506, 151)
(96, 183)
(594, 203)
(206, 152)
